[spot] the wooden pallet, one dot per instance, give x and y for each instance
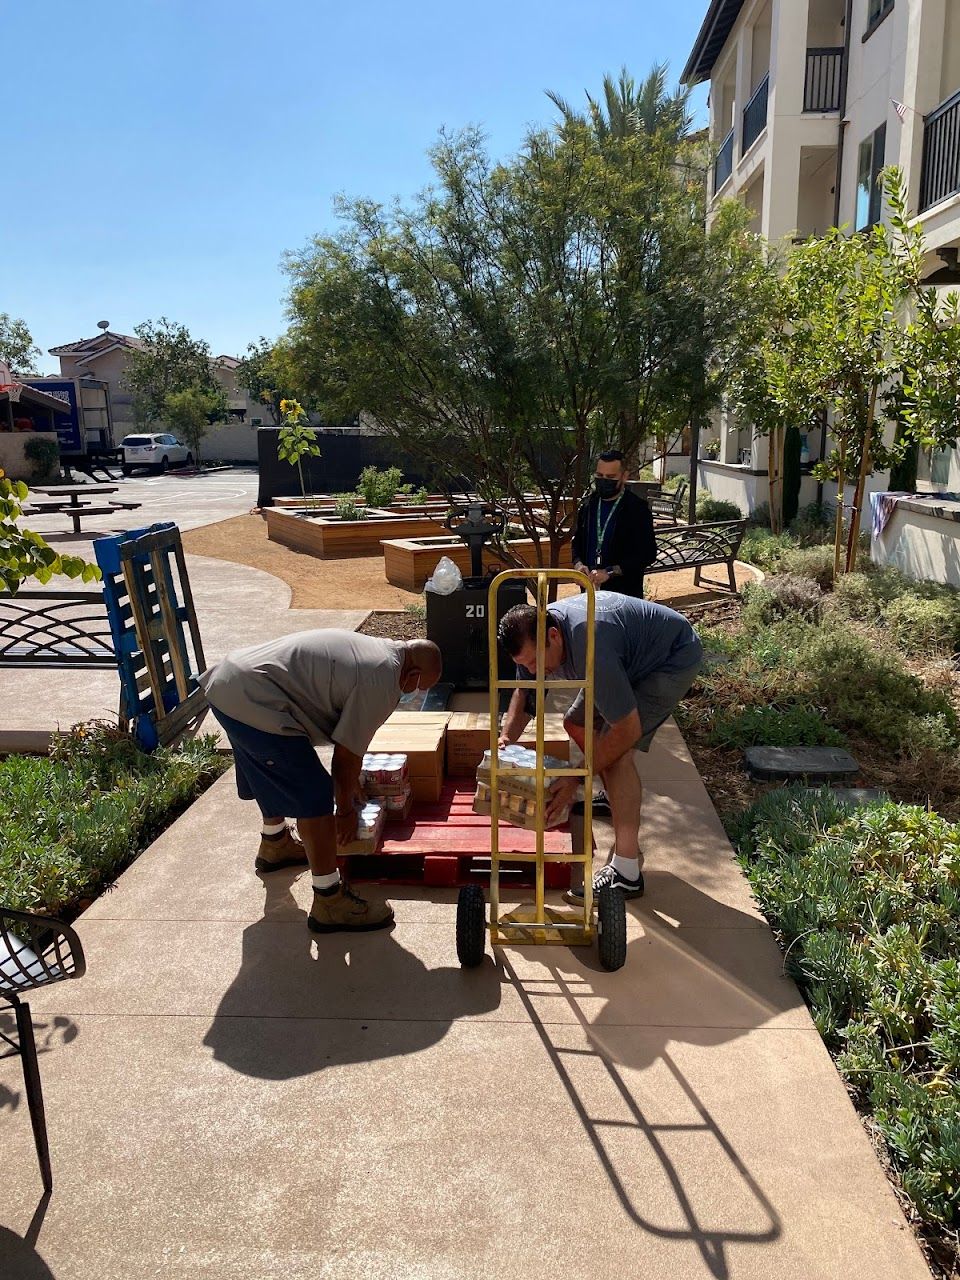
(447, 844)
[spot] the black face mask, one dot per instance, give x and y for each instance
(605, 486)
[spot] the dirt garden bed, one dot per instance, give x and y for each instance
(361, 583)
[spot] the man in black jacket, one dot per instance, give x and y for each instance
(614, 542)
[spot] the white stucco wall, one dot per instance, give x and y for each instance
(923, 547)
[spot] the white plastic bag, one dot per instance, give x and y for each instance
(446, 579)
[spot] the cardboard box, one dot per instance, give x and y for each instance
(468, 737)
(421, 737)
(517, 810)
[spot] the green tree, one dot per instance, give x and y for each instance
(191, 411)
(296, 440)
(167, 360)
(262, 375)
(17, 348)
(23, 553)
(627, 107)
(520, 315)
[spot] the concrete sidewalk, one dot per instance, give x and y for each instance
(228, 1097)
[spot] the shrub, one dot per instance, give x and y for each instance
(710, 508)
(925, 624)
(813, 525)
(379, 488)
(867, 904)
(867, 689)
(765, 549)
(815, 563)
(43, 455)
(349, 506)
(780, 596)
(73, 820)
(774, 726)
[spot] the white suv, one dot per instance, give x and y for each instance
(157, 452)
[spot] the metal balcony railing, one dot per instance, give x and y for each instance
(940, 173)
(723, 165)
(755, 115)
(821, 88)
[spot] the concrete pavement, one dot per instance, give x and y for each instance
(230, 1097)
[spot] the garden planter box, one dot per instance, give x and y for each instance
(330, 538)
(409, 561)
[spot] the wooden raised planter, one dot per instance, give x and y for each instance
(409, 562)
(330, 538)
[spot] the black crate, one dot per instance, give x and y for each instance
(457, 623)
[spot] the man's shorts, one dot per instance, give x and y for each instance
(657, 698)
(282, 772)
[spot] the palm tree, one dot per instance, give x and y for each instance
(631, 108)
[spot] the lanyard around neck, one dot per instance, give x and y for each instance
(602, 529)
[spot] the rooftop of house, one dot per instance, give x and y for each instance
(713, 35)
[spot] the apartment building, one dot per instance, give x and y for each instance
(809, 99)
(105, 357)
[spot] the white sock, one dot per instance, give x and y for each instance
(273, 828)
(628, 867)
(327, 881)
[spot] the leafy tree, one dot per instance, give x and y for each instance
(167, 360)
(191, 410)
(628, 108)
(17, 348)
(521, 315)
(262, 374)
(296, 440)
(23, 553)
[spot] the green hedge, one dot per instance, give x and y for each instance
(72, 821)
(867, 906)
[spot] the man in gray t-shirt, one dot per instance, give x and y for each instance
(276, 703)
(646, 657)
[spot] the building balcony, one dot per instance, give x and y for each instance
(823, 81)
(723, 165)
(755, 115)
(940, 172)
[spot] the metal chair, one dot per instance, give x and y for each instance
(35, 951)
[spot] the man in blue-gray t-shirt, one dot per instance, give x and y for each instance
(646, 657)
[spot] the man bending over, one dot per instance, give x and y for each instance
(646, 657)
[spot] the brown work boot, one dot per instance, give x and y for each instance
(284, 850)
(342, 909)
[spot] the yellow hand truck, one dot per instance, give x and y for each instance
(540, 924)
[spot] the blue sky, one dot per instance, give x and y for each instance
(167, 152)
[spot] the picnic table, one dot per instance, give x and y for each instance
(74, 507)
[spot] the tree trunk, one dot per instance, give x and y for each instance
(774, 474)
(853, 533)
(838, 527)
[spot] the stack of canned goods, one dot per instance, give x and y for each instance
(384, 775)
(518, 794)
(370, 819)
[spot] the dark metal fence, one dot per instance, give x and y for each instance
(723, 165)
(940, 175)
(755, 115)
(821, 88)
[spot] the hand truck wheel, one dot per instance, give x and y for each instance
(471, 926)
(611, 928)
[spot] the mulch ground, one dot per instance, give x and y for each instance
(360, 583)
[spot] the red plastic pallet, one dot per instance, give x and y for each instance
(447, 844)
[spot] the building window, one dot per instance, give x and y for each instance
(868, 171)
(876, 11)
(940, 466)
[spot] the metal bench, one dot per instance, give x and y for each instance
(55, 629)
(694, 546)
(669, 506)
